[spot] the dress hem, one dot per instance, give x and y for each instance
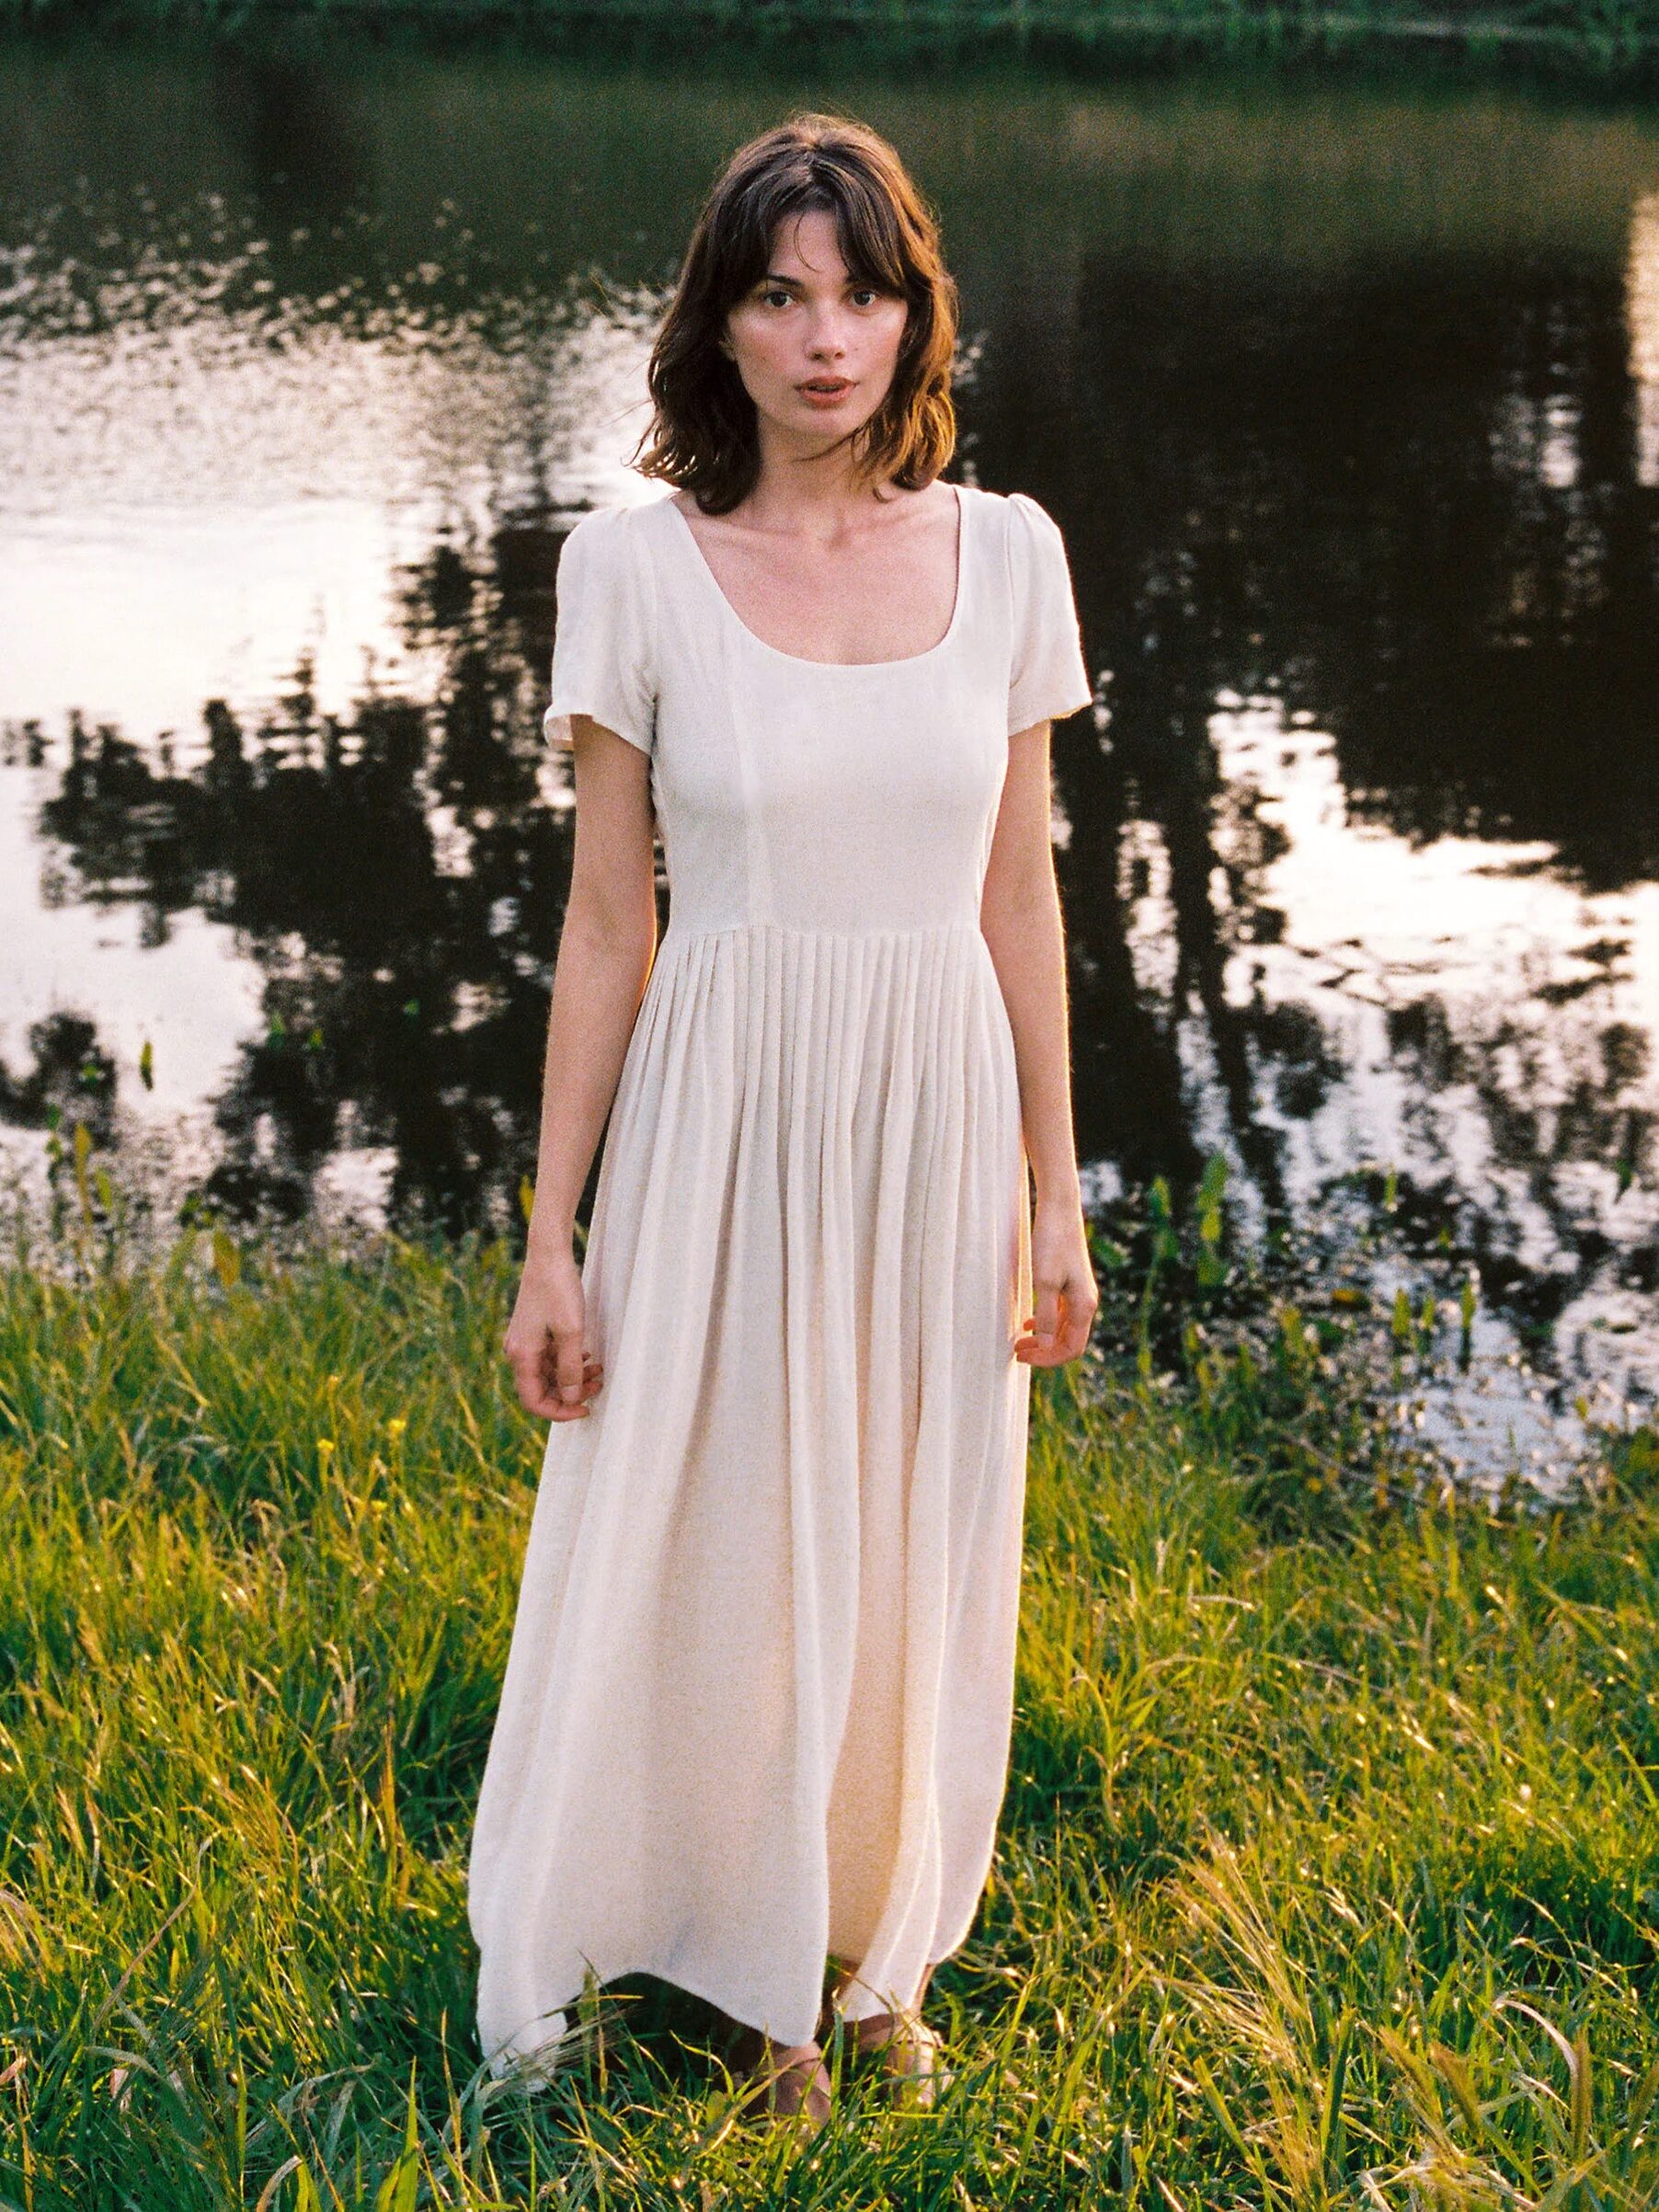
(678, 1982)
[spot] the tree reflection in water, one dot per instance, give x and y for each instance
(397, 874)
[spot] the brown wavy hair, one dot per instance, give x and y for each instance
(703, 436)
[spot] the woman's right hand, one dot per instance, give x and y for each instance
(544, 1339)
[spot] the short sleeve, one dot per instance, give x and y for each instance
(1047, 675)
(602, 656)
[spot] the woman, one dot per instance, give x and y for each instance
(754, 1727)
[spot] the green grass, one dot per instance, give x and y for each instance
(1612, 40)
(1329, 1873)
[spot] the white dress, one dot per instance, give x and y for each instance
(757, 1706)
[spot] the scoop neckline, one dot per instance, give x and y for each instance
(852, 668)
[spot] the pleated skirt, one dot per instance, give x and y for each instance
(756, 1711)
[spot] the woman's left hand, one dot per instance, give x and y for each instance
(1063, 1286)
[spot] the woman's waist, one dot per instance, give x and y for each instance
(681, 933)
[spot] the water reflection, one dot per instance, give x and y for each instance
(396, 875)
(1348, 412)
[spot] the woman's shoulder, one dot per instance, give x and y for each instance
(1023, 541)
(1022, 526)
(611, 528)
(609, 544)
(1020, 514)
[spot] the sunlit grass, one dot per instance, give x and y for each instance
(1328, 1871)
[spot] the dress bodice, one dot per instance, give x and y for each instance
(789, 792)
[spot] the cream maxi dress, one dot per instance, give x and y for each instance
(758, 1701)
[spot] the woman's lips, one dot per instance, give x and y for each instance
(823, 394)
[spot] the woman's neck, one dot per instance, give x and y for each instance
(814, 495)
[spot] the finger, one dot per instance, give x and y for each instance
(573, 1375)
(576, 1410)
(562, 1363)
(553, 1407)
(568, 1370)
(537, 1392)
(528, 1380)
(1046, 1319)
(535, 1381)
(1036, 1351)
(1069, 1320)
(1073, 1332)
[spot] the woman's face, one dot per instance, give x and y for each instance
(805, 322)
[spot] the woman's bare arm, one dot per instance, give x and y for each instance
(1020, 917)
(606, 946)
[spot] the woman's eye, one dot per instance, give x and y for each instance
(868, 292)
(776, 292)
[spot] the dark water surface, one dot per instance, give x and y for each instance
(1347, 397)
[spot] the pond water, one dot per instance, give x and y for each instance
(1345, 393)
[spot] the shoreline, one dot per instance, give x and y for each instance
(1575, 47)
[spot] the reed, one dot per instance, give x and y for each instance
(1326, 1875)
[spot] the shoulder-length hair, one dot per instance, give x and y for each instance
(702, 435)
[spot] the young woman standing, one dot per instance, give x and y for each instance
(754, 1729)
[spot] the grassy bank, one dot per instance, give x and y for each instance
(1610, 39)
(1329, 1873)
